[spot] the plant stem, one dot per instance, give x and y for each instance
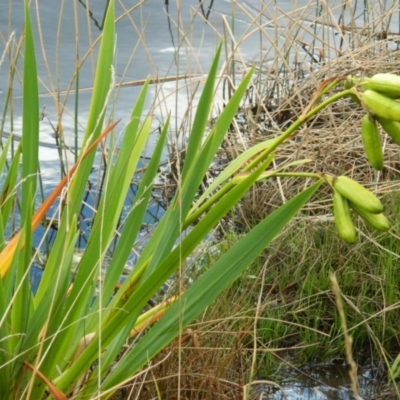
(300, 121)
(297, 174)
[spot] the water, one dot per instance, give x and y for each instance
(159, 52)
(152, 40)
(328, 381)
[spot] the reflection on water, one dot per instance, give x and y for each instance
(152, 39)
(325, 382)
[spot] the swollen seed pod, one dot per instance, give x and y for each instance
(377, 221)
(392, 128)
(343, 221)
(372, 141)
(357, 194)
(387, 84)
(381, 105)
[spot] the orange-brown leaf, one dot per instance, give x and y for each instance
(7, 254)
(56, 393)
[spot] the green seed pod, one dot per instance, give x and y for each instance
(387, 84)
(343, 221)
(392, 128)
(377, 221)
(380, 105)
(372, 141)
(357, 194)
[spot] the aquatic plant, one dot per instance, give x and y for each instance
(84, 335)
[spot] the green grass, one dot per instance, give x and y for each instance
(297, 311)
(281, 312)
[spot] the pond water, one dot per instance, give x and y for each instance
(159, 39)
(152, 40)
(328, 381)
(155, 38)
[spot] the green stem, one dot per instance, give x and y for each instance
(297, 174)
(296, 125)
(225, 189)
(268, 151)
(302, 119)
(196, 214)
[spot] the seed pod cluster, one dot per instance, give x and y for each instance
(381, 97)
(350, 194)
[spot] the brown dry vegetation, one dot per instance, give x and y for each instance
(220, 355)
(331, 140)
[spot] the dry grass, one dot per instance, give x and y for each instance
(331, 140)
(293, 61)
(221, 354)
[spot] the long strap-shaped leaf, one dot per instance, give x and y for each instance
(7, 254)
(128, 307)
(207, 288)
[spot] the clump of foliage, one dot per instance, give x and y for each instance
(82, 334)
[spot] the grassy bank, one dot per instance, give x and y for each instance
(281, 314)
